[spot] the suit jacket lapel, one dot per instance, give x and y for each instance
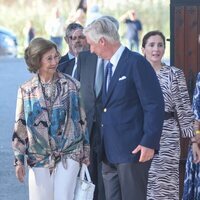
(115, 78)
(67, 66)
(70, 66)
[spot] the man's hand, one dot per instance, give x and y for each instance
(20, 172)
(146, 153)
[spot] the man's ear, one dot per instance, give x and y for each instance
(102, 41)
(143, 51)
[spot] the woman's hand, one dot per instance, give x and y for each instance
(20, 172)
(197, 138)
(196, 152)
(86, 161)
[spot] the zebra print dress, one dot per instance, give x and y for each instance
(163, 180)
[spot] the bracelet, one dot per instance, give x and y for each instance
(197, 131)
(192, 142)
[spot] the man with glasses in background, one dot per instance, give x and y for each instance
(76, 43)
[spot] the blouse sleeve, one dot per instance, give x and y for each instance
(86, 146)
(182, 103)
(196, 99)
(19, 138)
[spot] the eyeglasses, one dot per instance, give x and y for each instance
(81, 37)
(51, 58)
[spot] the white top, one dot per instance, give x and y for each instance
(74, 68)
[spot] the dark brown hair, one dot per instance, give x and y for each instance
(71, 28)
(152, 33)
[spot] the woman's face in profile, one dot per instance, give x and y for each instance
(49, 62)
(154, 49)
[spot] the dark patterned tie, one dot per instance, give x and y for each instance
(108, 74)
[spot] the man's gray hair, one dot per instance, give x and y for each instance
(71, 28)
(112, 19)
(102, 27)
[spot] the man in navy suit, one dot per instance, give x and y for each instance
(132, 114)
(90, 74)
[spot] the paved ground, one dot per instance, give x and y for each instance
(12, 73)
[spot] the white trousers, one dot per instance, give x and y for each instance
(60, 185)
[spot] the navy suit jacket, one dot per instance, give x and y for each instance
(64, 58)
(86, 73)
(133, 109)
(67, 66)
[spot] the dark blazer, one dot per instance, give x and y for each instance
(64, 58)
(86, 70)
(133, 109)
(67, 66)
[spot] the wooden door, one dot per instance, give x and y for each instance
(185, 52)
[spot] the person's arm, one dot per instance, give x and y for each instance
(20, 172)
(184, 112)
(139, 25)
(19, 138)
(145, 153)
(86, 146)
(195, 142)
(123, 17)
(152, 102)
(196, 109)
(197, 131)
(182, 103)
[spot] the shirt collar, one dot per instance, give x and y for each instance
(70, 56)
(115, 58)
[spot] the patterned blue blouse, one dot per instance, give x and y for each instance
(43, 137)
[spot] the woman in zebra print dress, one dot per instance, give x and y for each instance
(164, 172)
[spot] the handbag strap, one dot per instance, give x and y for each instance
(85, 173)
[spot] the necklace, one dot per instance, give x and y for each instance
(48, 90)
(49, 93)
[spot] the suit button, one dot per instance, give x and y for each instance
(101, 125)
(104, 110)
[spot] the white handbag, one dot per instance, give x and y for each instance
(84, 187)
